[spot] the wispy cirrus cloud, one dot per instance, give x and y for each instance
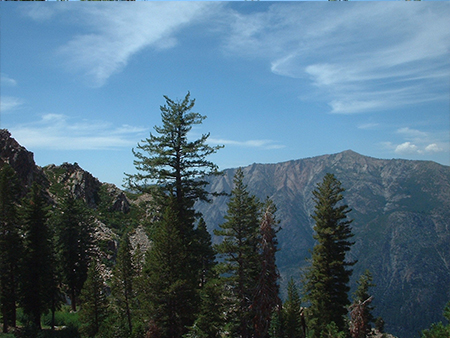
(262, 144)
(7, 81)
(59, 132)
(115, 34)
(362, 58)
(10, 103)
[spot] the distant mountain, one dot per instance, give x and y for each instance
(401, 213)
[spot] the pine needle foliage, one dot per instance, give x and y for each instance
(267, 298)
(240, 252)
(74, 244)
(94, 308)
(37, 281)
(326, 280)
(10, 246)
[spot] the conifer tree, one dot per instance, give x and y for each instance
(171, 293)
(94, 308)
(74, 241)
(173, 166)
(37, 282)
(177, 166)
(123, 280)
(293, 327)
(267, 298)
(10, 245)
(326, 280)
(239, 250)
(362, 303)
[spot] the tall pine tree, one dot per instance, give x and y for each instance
(171, 293)
(122, 282)
(94, 308)
(177, 166)
(74, 243)
(327, 279)
(362, 305)
(239, 250)
(293, 326)
(10, 245)
(37, 283)
(267, 298)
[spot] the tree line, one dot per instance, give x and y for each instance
(183, 286)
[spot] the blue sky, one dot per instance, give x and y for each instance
(278, 80)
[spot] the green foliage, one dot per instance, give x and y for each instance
(171, 293)
(122, 284)
(74, 244)
(266, 298)
(64, 317)
(292, 312)
(10, 244)
(326, 280)
(94, 306)
(178, 166)
(37, 283)
(362, 307)
(331, 330)
(439, 330)
(240, 252)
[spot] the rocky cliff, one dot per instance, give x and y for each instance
(401, 213)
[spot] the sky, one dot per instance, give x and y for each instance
(278, 81)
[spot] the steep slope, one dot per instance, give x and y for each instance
(401, 212)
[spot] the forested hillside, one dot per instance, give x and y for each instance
(401, 213)
(400, 230)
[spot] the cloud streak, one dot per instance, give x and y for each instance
(362, 58)
(262, 144)
(115, 35)
(59, 132)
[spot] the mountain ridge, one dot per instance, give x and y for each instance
(401, 212)
(401, 225)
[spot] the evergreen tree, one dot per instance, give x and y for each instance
(177, 166)
(94, 308)
(74, 242)
(267, 298)
(122, 282)
(171, 293)
(174, 167)
(205, 252)
(239, 250)
(210, 320)
(37, 283)
(326, 280)
(293, 326)
(10, 245)
(360, 299)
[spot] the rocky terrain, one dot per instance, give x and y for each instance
(401, 213)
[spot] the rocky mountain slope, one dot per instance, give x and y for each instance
(401, 213)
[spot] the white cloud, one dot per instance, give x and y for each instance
(364, 57)
(59, 132)
(407, 148)
(117, 33)
(368, 125)
(412, 132)
(433, 148)
(263, 144)
(9, 103)
(7, 81)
